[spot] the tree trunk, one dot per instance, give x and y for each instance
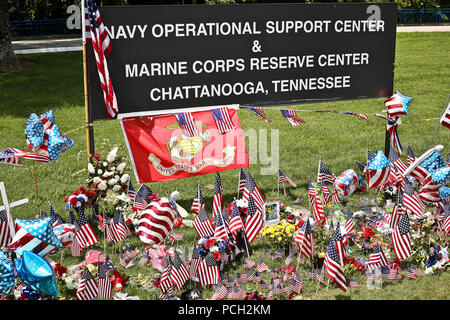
(7, 56)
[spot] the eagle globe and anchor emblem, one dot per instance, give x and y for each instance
(185, 150)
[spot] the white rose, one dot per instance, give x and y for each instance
(105, 164)
(99, 171)
(102, 186)
(120, 167)
(112, 182)
(112, 155)
(117, 177)
(214, 248)
(117, 188)
(124, 178)
(108, 174)
(97, 180)
(91, 168)
(113, 169)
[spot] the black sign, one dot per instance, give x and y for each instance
(173, 57)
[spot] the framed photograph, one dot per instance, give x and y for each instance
(271, 214)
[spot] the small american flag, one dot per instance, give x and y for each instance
(104, 284)
(326, 195)
(195, 263)
(221, 231)
(252, 188)
(187, 124)
(293, 118)
(217, 199)
(86, 235)
(284, 178)
(410, 274)
(254, 221)
(87, 288)
(141, 199)
(325, 174)
(198, 203)
(131, 192)
(401, 239)
(262, 266)
(223, 121)
(241, 182)
(249, 263)
(208, 271)
(235, 220)
(304, 240)
(7, 156)
(353, 283)
(445, 119)
(102, 48)
(180, 273)
(5, 236)
(12, 155)
(279, 253)
(349, 225)
(202, 224)
(412, 201)
(259, 112)
(165, 284)
(334, 268)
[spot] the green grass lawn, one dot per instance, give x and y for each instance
(55, 81)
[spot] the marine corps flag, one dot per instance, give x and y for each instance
(160, 151)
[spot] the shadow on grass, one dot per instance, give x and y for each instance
(343, 297)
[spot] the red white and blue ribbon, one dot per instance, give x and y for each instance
(391, 127)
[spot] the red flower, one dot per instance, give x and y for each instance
(368, 233)
(66, 199)
(217, 255)
(76, 192)
(209, 243)
(73, 201)
(118, 280)
(300, 223)
(179, 222)
(156, 282)
(59, 270)
(96, 156)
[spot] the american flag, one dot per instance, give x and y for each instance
(111, 231)
(263, 285)
(284, 178)
(319, 275)
(293, 118)
(296, 283)
(220, 293)
(395, 159)
(429, 191)
(267, 254)
(156, 222)
(254, 221)
(361, 166)
(104, 284)
(445, 119)
(7, 156)
(414, 270)
(5, 235)
(401, 239)
(353, 283)
(349, 225)
(359, 115)
(122, 228)
(305, 241)
(241, 182)
(369, 155)
(108, 264)
(311, 274)
(446, 223)
(334, 268)
(12, 155)
(338, 240)
(318, 213)
(325, 174)
(393, 274)
(262, 266)
(75, 248)
(377, 170)
(208, 271)
(412, 201)
(279, 253)
(377, 258)
(180, 273)
(86, 235)
(164, 283)
(252, 188)
(187, 124)
(326, 195)
(198, 203)
(131, 192)
(288, 260)
(235, 220)
(141, 199)
(122, 259)
(259, 112)
(87, 288)
(223, 121)
(397, 104)
(249, 263)
(217, 199)
(202, 224)
(220, 231)
(311, 193)
(194, 264)
(410, 274)
(102, 48)
(55, 219)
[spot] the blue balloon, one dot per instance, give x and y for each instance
(433, 162)
(444, 193)
(37, 273)
(7, 280)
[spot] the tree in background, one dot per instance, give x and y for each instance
(8, 59)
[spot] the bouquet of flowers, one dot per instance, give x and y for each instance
(216, 246)
(79, 198)
(107, 177)
(281, 234)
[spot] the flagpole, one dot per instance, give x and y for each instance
(89, 127)
(439, 121)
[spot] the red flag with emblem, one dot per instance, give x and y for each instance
(159, 150)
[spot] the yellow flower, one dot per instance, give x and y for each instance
(321, 254)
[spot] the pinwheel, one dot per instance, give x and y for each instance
(44, 136)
